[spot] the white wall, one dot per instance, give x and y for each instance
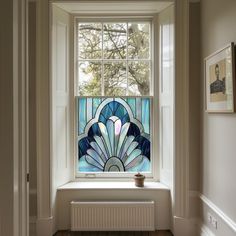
(218, 130)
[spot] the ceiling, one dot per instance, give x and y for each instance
(113, 7)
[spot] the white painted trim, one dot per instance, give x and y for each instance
(113, 186)
(44, 178)
(20, 118)
(32, 225)
(112, 7)
(193, 193)
(44, 226)
(33, 191)
(181, 111)
(205, 231)
(32, 219)
(1, 230)
(219, 212)
(194, 1)
(42, 110)
(154, 174)
(16, 118)
(166, 96)
(185, 226)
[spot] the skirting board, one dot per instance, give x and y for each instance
(32, 225)
(185, 227)
(219, 212)
(44, 226)
(205, 231)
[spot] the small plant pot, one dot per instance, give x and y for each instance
(139, 180)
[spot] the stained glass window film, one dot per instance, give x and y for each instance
(113, 134)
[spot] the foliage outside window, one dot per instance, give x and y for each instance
(113, 102)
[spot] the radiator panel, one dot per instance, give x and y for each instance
(112, 216)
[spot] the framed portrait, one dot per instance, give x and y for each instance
(220, 81)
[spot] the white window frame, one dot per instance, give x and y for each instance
(154, 95)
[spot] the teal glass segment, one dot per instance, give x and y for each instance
(132, 104)
(114, 134)
(96, 102)
(82, 114)
(146, 115)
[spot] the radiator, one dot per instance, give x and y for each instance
(112, 216)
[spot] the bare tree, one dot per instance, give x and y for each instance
(119, 43)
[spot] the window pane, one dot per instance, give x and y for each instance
(138, 40)
(82, 115)
(115, 82)
(139, 78)
(90, 41)
(89, 81)
(114, 139)
(115, 38)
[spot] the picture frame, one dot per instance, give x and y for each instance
(220, 81)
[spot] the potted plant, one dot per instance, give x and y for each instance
(139, 180)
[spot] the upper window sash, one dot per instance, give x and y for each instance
(104, 64)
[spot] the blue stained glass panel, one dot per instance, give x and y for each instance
(131, 102)
(114, 135)
(138, 104)
(82, 115)
(146, 115)
(96, 102)
(89, 109)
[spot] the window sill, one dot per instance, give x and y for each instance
(112, 185)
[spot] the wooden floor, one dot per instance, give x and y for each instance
(157, 233)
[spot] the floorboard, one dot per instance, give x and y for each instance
(156, 233)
